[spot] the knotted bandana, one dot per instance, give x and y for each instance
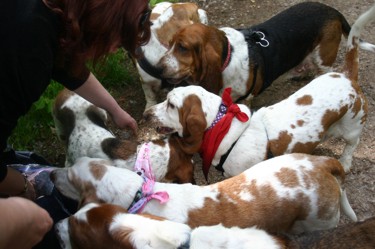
(214, 135)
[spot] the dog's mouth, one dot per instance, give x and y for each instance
(175, 81)
(164, 130)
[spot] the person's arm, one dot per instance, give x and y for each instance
(22, 223)
(93, 91)
(16, 184)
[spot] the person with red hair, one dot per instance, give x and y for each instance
(44, 40)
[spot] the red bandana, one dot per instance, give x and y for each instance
(213, 136)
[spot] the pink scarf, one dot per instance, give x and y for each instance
(145, 194)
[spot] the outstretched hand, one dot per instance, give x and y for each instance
(124, 120)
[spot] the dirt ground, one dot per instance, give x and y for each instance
(360, 182)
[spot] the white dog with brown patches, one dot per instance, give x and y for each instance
(110, 226)
(330, 105)
(292, 193)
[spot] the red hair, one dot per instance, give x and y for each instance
(92, 27)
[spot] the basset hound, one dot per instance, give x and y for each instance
(167, 18)
(231, 137)
(98, 226)
(292, 193)
(82, 127)
(248, 60)
(111, 226)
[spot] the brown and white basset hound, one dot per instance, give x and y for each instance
(249, 60)
(111, 226)
(293, 193)
(82, 127)
(167, 18)
(333, 104)
(98, 226)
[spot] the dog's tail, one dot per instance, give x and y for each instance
(335, 168)
(351, 57)
(345, 206)
(346, 30)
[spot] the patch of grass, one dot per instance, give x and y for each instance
(37, 122)
(113, 70)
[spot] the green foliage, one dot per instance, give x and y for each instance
(154, 2)
(37, 122)
(113, 71)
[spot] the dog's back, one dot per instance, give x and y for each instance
(80, 125)
(325, 27)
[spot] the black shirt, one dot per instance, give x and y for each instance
(29, 45)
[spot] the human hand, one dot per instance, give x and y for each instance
(23, 223)
(122, 119)
(16, 184)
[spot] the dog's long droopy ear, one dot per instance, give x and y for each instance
(194, 124)
(60, 179)
(63, 118)
(211, 58)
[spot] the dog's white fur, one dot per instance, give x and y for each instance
(218, 236)
(330, 105)
(161, 14)
(85, 137)
(291, 193)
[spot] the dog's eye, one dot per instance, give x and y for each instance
(181, 48)
(170, 105)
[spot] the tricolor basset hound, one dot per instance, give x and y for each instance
(167, 18)
(292, 193)
(231, 137)
(82, 127)
(307, 34)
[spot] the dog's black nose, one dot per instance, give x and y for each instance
(146, 117)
